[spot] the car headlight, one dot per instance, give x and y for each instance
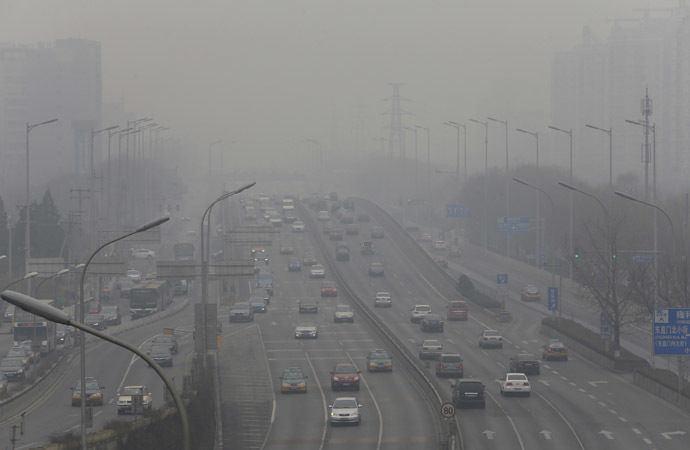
(302, 384)
(356, 378)
(285, 385)
(332, 414)
(336, 379)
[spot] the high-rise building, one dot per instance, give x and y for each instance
(603, 83)
(42, 82)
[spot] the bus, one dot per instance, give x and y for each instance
(149, 297)
(29, 327)
(184, 251)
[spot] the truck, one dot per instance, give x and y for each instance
(29, 327)
(184, 251)
(342, 253)
(265, 280)
(366, 248)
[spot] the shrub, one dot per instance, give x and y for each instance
(466, 288)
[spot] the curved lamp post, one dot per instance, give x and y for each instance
(82, 341)
(25, 277)
(38, 308)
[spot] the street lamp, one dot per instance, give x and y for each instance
(428, 157)
(27, 250)
(570, 236)
(505, 123)
(92, 188)
(31, 305)
(535, 135)
(61, 272)
(82, 341)
(457, 157)
(25, 277)
(416, 177)
(486, 180)
(648, 127)
(108, 196)
(205, 261)
(610, 133)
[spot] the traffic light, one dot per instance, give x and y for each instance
(613, 253)
(576, 253)
(409, 201)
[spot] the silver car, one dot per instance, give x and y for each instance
(491, 338)
(345, 410)
(430, 349)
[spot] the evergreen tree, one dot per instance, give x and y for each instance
(46, 232)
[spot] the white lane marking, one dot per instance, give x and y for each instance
(544, 382)
(668, 434)
(636, 431)
(489, 434)
(602, 404)
(613, 411)
(270, 379)
(596, 383)
(592, 396)
(555, 372)
(378, 410)
(572, 384)
(607, 433)
(622, 419)
(564, 378)
(510, 419)
(582, 390)
(323, 400)
(546, 433)
(647, 441)
(501, 364)
(572, 430)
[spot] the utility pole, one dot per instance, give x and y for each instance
(646, 109)
(396, 139)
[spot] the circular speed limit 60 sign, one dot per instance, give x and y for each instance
(448, 410)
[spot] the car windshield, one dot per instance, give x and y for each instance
(491, 333)
(292, 375)
(343, 308)
(471, 386)
(317, 267)
(16, 351)
(306, 323)
(109, 310)
(10, 363)
(90, 386)
(160, 350)
(132, 391)
(532, 290)
(431, 343)
(93, 318)
(241, 305)
(516, 377)
(345, 369)
(344, 403)
(163, 338)
(423, 308)
(451, 359)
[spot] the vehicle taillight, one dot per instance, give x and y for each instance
(525, 384)
(460, 366)
(510, 383)
(536, 363)
(426, 348)
(441, 366)
(520, 364)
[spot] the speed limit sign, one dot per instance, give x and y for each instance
(448, 410)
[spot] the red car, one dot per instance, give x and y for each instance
(328, 289)
(443, 262)
(345, 376)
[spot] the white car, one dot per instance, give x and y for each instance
(491, 338)
(317, 271)
(345, 410)
(127, 399)
(383, 299)
(343, 313)
(298, 226)
(144, 253)
(323, 216)
(134, 275)
(306, 329)
(430, 349)
(515, 383)
(419, 312)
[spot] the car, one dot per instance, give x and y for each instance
(376, 269)
(264, 293)
(294, 265)
(363, 217)
(125, 287)
(327, 227)
(275, 219)
(258, 304)
(345, 410)
(418, 312)
(111, 315)
(425, 237)
(317, 271)
(438, 245)
(162, 355)
(524, 363)
(289, 217)
(13, 368)
(454, 252)
(377, 233)
(3, 384)
(347, 219)
(28, 346)
(366, 248)
(180, 287)
(131, 396)
(431, 322)
(95, 321)
(8, 315)
(345, 376)
(191, 233)
(308, 305)
(118, 283)
(166, 339)
(286, 248)
(94, 307)
(530, 293)
(468, 392)
(342, 253)
(343, 313)
(378, 360)
(328, 289)
(298, 226)
(383, 299)
(352, 230)
(450, 365)
(554, 349)
(293, 380)
(62, 334)
(144, 253)
(306, 329)
(134, 275)
(490, 338)
(430, 349)
(260, 254)
(323, 216)
(151, 276)
(336, 234)
(515, 383)
(241, 312)
(309, 258)
(442, 262)
(21, 353)
(250, 215)
(93, 392)
(457, 310)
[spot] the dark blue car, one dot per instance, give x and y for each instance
(258, 304)
(294, 265)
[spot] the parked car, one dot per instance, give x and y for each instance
(345, 410)
(345, 376)
(468, 392)
(450, 365)
(524, 363)
(515, 383)
(293, 380)
(491, 338)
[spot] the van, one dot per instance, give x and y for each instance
(457, 310)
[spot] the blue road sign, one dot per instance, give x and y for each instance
(457, 211)
(604, 327)
(501, 278)
(641, 257)
(553, 299)
(513, 224)
(672, 331)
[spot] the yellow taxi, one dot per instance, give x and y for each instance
(293, 380)
(554, 349)
(94, 392)
(530, 294)
(378, 360)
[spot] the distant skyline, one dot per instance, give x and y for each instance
(268, 74)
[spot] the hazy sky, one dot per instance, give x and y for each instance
(268, 73)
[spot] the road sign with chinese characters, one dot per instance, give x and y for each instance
(501, 278)
(553, 299)
(457, 211)
(671, 331)
(513, 224)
